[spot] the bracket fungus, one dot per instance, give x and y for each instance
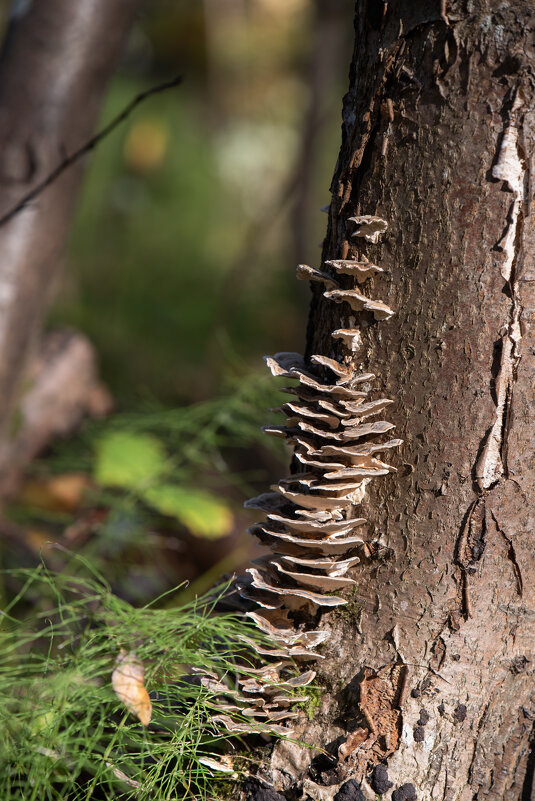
(359, 302)
(312, 524)
(306, 273)
(360, 270)
(369, 227)
(351, 337)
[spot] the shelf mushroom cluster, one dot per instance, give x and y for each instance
(312, 525)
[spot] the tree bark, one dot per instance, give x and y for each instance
(436, 650)
(55, 68)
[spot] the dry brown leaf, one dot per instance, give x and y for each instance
(122, 776)
(128, 681)
(353, 741)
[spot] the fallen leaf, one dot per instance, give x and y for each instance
(128, 681)
(61, 493)
(68, 489)
(122, 776)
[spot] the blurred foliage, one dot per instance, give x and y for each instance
(128, 460)
(183, 232)
(138, 463)
(200, 436)
(200, 511)
(140, 491)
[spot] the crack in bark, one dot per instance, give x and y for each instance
(478, 728)
(511, 169)
(469, 548)
(511, 554)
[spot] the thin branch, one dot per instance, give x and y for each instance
(68, 161)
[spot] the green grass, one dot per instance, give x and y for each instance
(66, 735)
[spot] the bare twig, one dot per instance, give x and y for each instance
(71, 159)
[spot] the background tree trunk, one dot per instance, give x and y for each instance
(58, 58)
(436, 649)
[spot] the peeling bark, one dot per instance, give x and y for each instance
(438, 133)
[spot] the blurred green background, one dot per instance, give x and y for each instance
(185, 241)
(181, 271)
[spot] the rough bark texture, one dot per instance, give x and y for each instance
(55, 67)
(435, 653)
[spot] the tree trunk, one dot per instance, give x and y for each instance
(55, 68)
(435, 653)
